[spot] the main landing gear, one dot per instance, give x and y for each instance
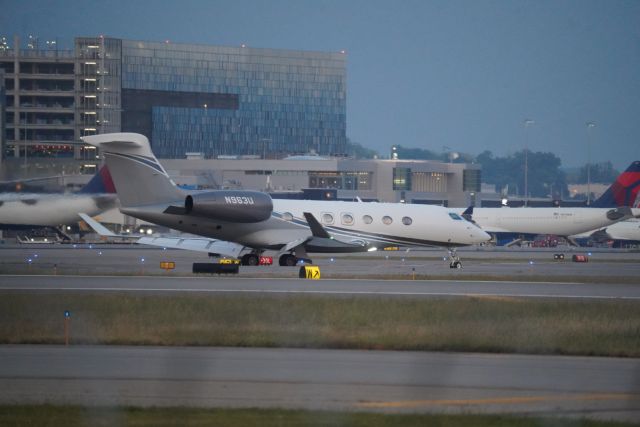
(250, 259)
(290, 260)
(454, 259)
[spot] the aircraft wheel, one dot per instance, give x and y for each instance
(250, 259)
(455, 264)
(287, 260)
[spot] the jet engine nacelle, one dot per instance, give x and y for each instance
(231, 206)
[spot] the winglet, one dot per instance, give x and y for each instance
(97, 227)
(316, 229)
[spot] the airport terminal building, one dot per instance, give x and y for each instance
(215, 100)
(410, 181)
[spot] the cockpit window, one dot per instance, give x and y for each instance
(455, 216)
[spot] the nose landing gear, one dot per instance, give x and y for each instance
(454, 259)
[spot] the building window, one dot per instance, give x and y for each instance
(429, 182)
(387, 220)
(401, 178)
(406, 220)
(340, 180)
(367, 219)
(471, 179)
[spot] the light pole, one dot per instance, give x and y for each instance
(527, 123)
(590, 125)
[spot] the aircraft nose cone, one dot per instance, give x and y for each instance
(479, 235)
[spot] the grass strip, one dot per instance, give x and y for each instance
(474, 324)
(76, 416)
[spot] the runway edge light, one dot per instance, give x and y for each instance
(67, 317)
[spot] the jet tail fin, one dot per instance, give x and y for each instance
(101, 183)
(623, 191)
(138, 176)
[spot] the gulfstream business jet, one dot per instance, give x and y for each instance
(248, 222)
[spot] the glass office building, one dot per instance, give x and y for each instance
(211, 100)
(218, 100)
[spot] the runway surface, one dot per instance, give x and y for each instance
(109, 259)
(333, 287)
(322, 379)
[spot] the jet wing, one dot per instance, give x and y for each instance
(322, 241)
(291, 245)
(220, 247)
(198, 244)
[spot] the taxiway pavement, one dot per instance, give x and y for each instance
(139, 260)
(322, 379)
(328, 287)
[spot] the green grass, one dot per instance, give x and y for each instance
(74, 416)
(603, 328)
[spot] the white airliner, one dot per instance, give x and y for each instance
(553, 220)
(613, 206)
(31, 210)
(623, 231)
(250, 222)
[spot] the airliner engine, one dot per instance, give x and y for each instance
(233, 206)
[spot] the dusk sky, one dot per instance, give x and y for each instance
(428, 74)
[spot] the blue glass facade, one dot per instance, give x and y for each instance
(285, 101)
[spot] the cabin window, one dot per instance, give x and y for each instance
(347, 219)
(406, 220)
(287, 216)
(327, 218)
(367, 219)
(387, 219)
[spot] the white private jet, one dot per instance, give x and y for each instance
(234, 222)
